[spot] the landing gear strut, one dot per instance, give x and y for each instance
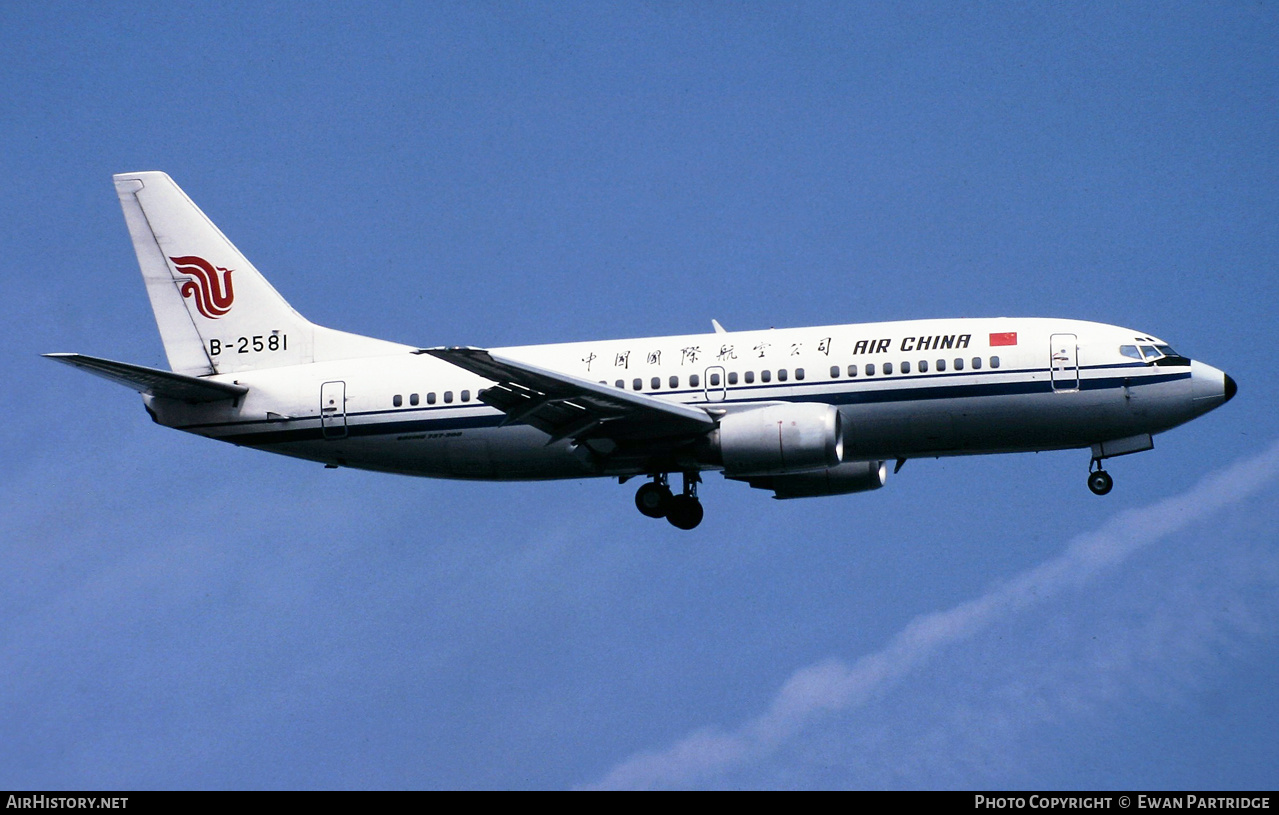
(1099, 481)
(655, 500)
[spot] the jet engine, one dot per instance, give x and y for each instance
(851, 476)
(780, 439)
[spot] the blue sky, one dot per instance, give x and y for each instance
(178, 613)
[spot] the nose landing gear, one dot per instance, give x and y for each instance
(655, 500)
(1099, 481)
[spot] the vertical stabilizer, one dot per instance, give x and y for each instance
(215, 311)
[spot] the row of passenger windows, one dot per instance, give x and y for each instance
(714, 380)
(783, 374)
(905, 367)
(414, 400)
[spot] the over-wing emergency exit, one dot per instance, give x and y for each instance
(799, 412)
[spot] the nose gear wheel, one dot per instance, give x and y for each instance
(1099, 481)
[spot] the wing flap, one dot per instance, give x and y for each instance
(562, 405)
(154, 381)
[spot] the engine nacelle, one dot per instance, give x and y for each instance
(780, 439)
(851, 476)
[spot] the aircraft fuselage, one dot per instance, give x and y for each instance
(918, 389)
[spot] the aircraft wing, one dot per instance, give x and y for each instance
(567, 406)
(154, 381)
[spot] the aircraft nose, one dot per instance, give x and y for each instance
(1210, 386)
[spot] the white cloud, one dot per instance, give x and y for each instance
(835, 686)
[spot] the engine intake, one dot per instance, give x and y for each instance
(780, 439)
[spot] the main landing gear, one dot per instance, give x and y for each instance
(1099, 481)
(655, 500)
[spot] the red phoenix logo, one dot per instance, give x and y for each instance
(212, 296)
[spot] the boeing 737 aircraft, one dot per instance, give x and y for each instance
(800, 412)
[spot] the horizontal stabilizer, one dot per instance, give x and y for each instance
(154, 381)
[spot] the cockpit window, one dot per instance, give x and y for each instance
(1169, 357)
(1162, 355)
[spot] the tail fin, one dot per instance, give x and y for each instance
(215, 311)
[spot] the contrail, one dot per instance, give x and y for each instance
(834, 685)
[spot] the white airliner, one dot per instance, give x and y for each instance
(801, 411)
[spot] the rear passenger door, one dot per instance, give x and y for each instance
(333, 410)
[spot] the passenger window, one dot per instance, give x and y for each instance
(765, 376)
(750, 377)
(870, 369)
(781, 375)
(413, 399)
(674, 382)
(834, 372)
(852, 370)
(994, 362)
(905, 367)
(976, 363)
(888, 369)
(923, 366)
(732, 377)
(466, 396)
(397, 400)
(959, 363)
(799, 373)
(656, 383)
(430, 398)
(941, 365)
(694, 380)
(620, 384)
(448, 397)
(637, 384)
(715, 379)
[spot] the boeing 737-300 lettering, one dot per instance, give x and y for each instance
(799, 412)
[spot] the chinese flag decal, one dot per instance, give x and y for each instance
(1009, 338)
